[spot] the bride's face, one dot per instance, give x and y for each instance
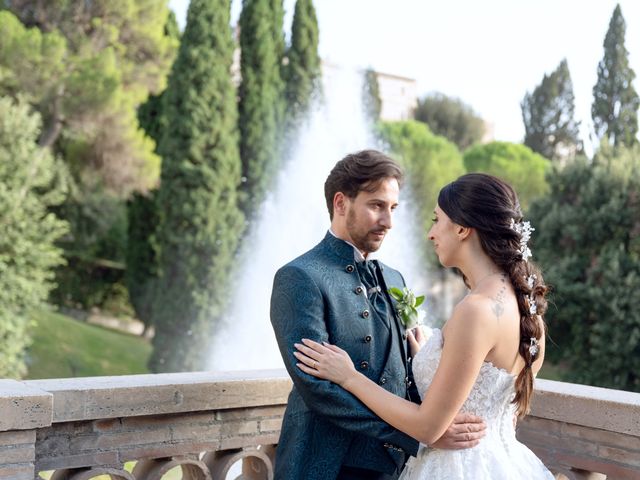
(443, 235)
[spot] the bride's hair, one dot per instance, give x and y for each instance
(491, 207)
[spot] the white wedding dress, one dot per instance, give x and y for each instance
(499, 456)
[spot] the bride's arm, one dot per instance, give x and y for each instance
(470, 334)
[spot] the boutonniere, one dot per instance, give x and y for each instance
(407, 305)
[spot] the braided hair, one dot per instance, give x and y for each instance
(491, 207)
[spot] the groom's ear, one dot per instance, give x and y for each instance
(339, 204)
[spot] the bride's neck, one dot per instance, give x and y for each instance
(478, 269)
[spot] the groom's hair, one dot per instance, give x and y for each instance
(360, 171)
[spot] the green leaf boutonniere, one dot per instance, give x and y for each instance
(407, 305)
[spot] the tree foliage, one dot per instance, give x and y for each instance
(302, 72)
(451, 118)
(524, 169)
(86, 66)
(587, 241)
(200, 221)
(261, 99)
(615, 101)
(31, 181)
(549, 116)
(430, 162)
(143, 217)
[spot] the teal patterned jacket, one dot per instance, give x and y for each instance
(319, 296)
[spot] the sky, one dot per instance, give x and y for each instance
(488, 53)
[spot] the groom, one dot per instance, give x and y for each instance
(336, 293)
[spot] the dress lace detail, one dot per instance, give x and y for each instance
(499, 456)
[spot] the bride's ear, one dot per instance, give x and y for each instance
(463, 232)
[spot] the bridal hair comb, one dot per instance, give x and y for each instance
(524, 229)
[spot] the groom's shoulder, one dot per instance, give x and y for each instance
(309, 260)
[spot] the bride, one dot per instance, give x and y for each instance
(486, 356)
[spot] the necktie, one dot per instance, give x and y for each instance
(369, 276)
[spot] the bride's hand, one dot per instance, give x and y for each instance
(324, 361)
(417, 339)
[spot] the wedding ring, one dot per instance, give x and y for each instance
(315, 365)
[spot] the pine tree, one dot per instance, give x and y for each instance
(28, 188)
(200, 220)
(548, 114)
(303, 68)
(260, 95)
(615, 101)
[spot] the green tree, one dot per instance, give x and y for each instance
(524, 169)
(143, 217)
(371, 101)
(302, 71)
(260, 100)
(31, 181)
(451, 118)
(142, 255)
(549, 116)
(587, 241)
(86, 66)
(615, 101)
(430, 162)
(200, 221)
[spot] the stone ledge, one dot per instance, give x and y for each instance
(24, 406)
(602, 408)
(135, 395)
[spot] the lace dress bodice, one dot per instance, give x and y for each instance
(499, 454)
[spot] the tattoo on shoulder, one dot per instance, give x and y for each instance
(498, 300)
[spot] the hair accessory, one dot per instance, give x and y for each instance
(524, 229)
(533, 306)
(534, 347)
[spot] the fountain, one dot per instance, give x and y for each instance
(294, 218)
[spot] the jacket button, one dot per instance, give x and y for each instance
(349, 268)
(364, 365)
(365, 313)
(407, 381)
(383, 380)
(368, 338)
(359, 290)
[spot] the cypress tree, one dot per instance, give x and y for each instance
(200, 222)
(371, 96)
(142, 213)
(303, 68)
(615, 101)
(260, 95)
(549, 116)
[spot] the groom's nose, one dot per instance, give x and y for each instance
(386, 219)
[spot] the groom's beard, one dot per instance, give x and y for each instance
(365, 240)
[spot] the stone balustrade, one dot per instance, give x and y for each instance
(205, 422)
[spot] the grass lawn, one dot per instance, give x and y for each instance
(64, 347)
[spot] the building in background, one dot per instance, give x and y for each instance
(398, 95)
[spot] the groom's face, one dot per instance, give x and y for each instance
(369, 215)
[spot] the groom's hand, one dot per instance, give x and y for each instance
(465, 431)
